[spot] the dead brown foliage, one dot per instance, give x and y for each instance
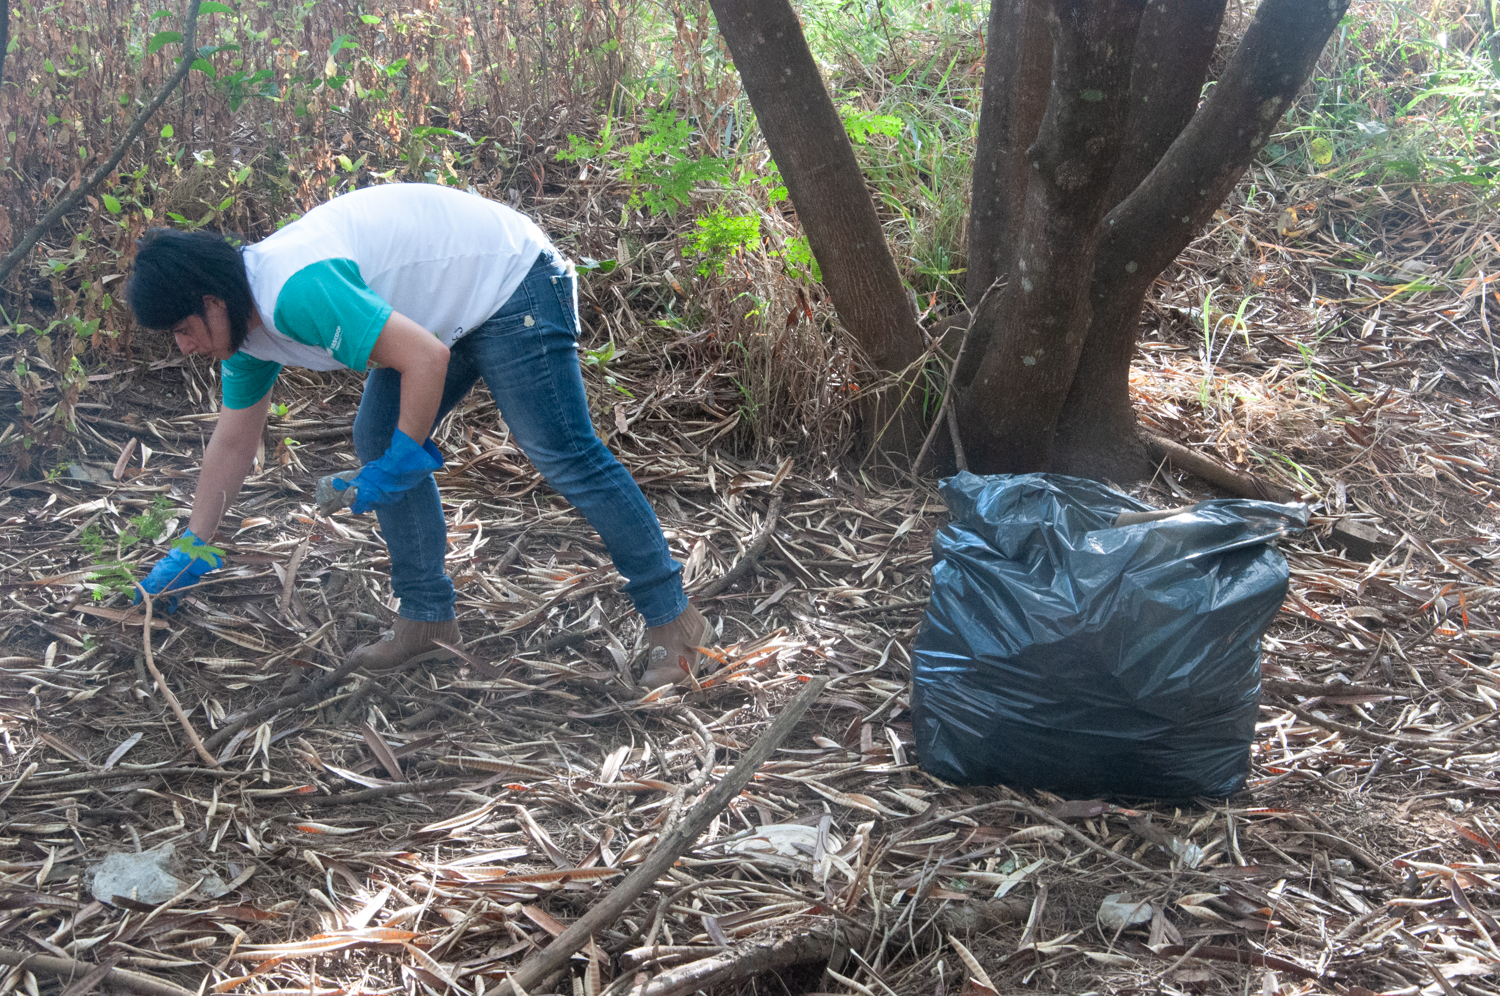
(426, 833)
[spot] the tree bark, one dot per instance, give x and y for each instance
(4, 35)
(1144, 233)
(1172, 51)
(1027, 339)
(1017, 82)
(812, 150)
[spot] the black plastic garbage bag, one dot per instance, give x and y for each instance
(1062, 652)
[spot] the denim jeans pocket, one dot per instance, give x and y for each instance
(565, 286)
(507, 326)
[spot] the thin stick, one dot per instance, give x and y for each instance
(378, 792)
(746, 563)
(1234, 481)
(678, 840)
(943, 413)
(958, 444)
(88, 777)
(187, 726)
(67, 968)
(63, 205)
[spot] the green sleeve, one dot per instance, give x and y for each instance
(327, 304)
(246, 379)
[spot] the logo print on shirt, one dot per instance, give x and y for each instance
(338, 337)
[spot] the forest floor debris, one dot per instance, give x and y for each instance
(432, 830)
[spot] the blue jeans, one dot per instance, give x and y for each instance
(527, 353)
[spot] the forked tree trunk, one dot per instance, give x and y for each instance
(1140, 237)
(1125, 168)
(807, 140)
(1172, 54)
(1025, 341)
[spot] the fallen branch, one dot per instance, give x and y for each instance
(288, 701)
(911, 603)
(176, 435)
(321, 435)
(87, 777)
(746, 563)
(750, 958)
(1237, 956)
(379, 792)
(68, 202)
(1237, 483)
(67, 968)
(166, 692)
(558, 641)
(671, 847)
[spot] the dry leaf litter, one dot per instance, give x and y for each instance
(423, 834)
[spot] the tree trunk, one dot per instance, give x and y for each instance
(1172, 51)
(1026, 340)
(1017, 81)
(1164, 95)
(812, 150)
(4, 35)
(1140, 237)
(1081, 198)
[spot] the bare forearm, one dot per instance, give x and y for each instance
(226, 463)
(422, 361)
(224, 472)
(421, 394)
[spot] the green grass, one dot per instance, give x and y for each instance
(1407, 92)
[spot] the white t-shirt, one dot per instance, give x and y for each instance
(326, 284)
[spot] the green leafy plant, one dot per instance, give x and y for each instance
(111, 574)
(660, 168)
(599, 359)
(720, 235)
(862, 124)
(799, 259)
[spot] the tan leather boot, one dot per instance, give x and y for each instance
(407, 642)
(672, 655)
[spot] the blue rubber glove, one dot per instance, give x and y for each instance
(403, 467)
(180, 568)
